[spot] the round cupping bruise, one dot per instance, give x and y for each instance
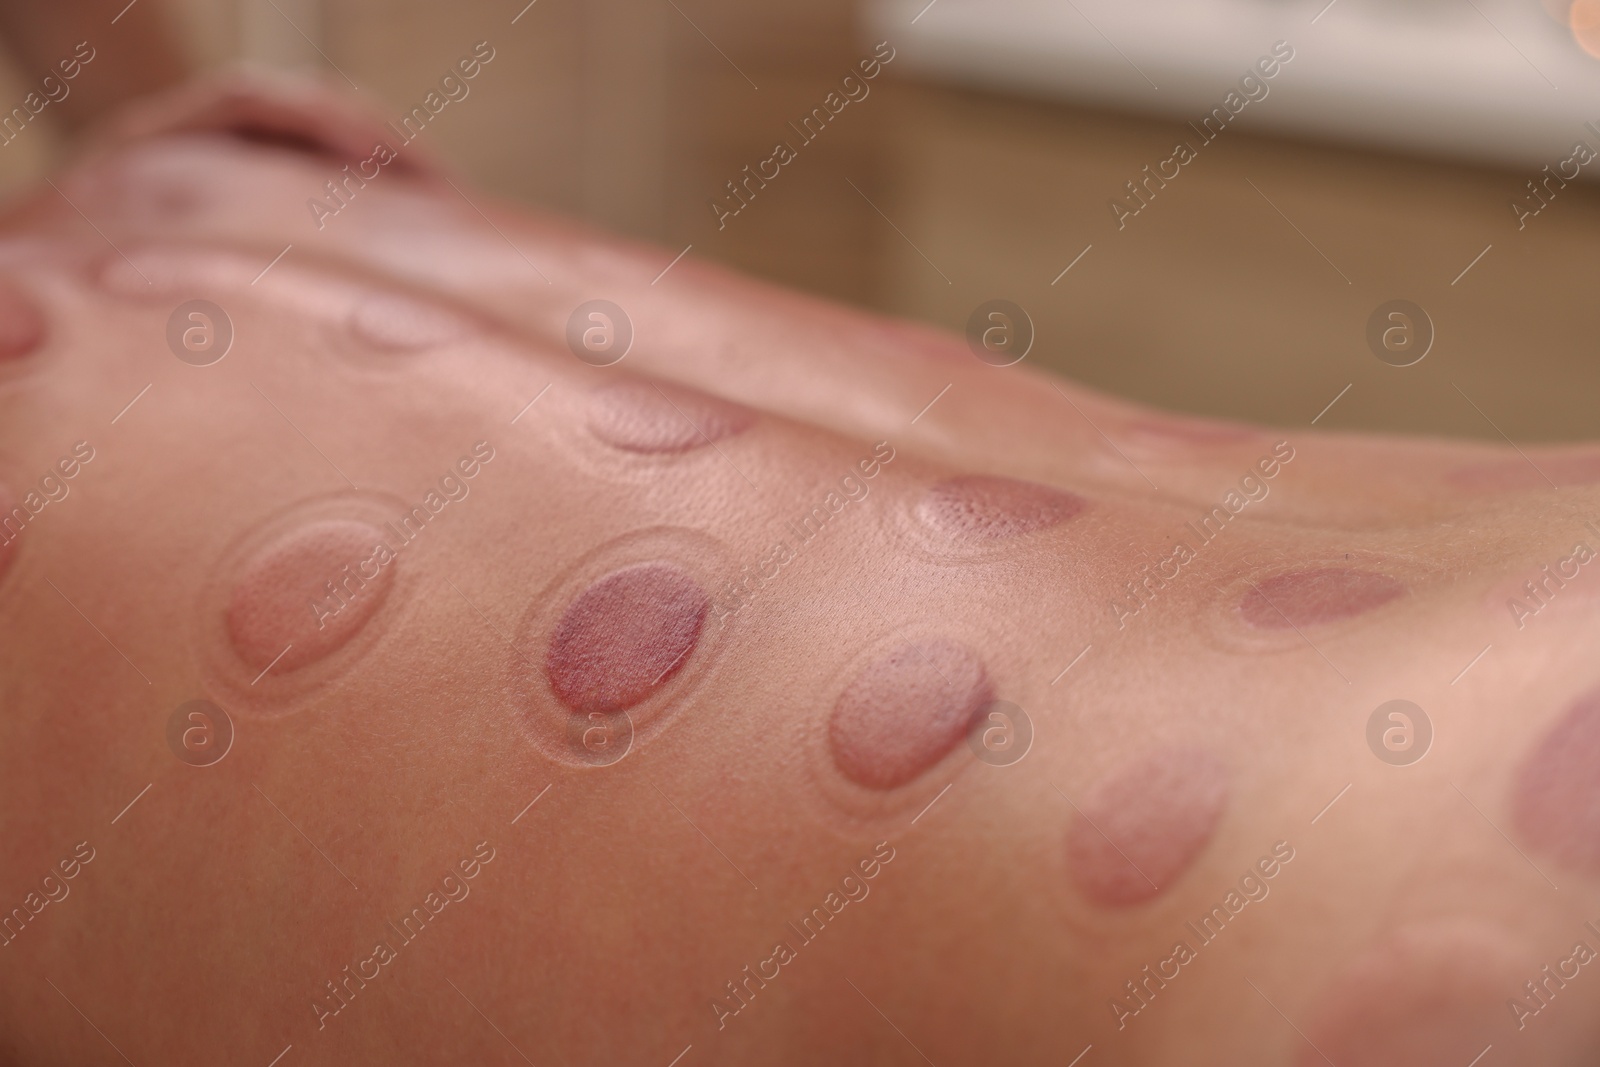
(652, 417)
(1315, 596)
(398, 323)
(1431, 993)
(1143, 825)
(988, 507)
(1555, 802)
(307, 592)
(906, 710)
(625, 636)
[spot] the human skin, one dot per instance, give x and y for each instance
(826, 722)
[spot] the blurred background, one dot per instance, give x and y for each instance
(1419, 150)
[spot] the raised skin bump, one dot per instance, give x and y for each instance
(1432, 995)
(1316, 596)
(22, 324)
(403, 324)
(310, 591)
(166, 273)
(1555, 800)
(988, 507)
(625, 636)
(1139, 829)
(906, 710)
(643, 415)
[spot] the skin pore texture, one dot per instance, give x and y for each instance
(405, 538)
(1315, 597)
(657, 417)
(981, 506)
(625, 635)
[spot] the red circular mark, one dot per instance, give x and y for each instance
(1138, 830)
(641, 415)
(905, 711)
(21, 322)
(310, 592)
(624, 636)
(1555, 801)
(401, 323)
(985, 506)
(1426, 996)
(1306, 598)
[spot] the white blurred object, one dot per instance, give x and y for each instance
(1500, 81)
